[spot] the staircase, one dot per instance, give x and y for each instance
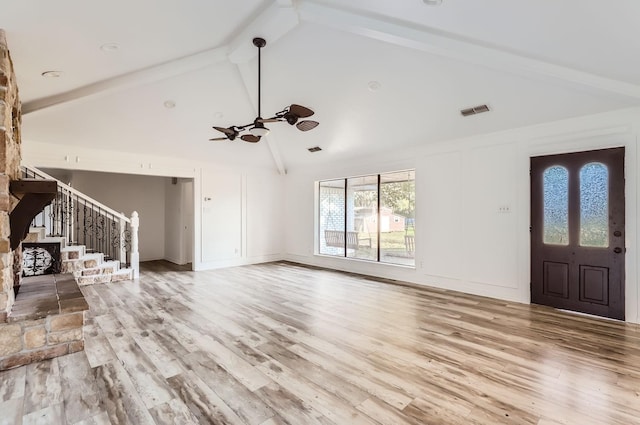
(90, 268)
(97, 244)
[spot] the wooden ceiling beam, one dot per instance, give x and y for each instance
(452, 46)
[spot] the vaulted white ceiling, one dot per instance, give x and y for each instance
(531, 61)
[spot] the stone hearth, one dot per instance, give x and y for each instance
(46, 321)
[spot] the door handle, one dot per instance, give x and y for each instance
(617, 250)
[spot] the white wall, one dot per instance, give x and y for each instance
(127, 193)
(241, 217)
(265, 212)
(463, 242)
(222, 219)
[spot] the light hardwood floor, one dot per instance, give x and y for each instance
(284, 344)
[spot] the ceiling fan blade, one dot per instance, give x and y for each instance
(218, 138)
(307, 125)
(300, 111)
(250, 138)
(227, 131)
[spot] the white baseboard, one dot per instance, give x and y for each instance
(410, 275)
(211, 265)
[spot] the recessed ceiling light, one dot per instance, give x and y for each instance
(374, 85)
(169, 104)
(52, 74)
(110, 47)
(432, 2)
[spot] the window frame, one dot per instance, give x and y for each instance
(345, 254)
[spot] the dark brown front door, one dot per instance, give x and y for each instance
(577, 232)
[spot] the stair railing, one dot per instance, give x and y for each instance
(81, 220)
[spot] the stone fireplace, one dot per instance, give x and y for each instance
(10, 120)
(46, 318)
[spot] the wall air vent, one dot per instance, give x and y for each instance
(314, 149)
(475, 110)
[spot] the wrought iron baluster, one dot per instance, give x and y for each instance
(93, 231)
(77, 235)
(112, 248)
(70, 216)
(60, 212)
(101, 221)
(98, 245)
(110, 241)
(106, 235)
(84, 228)
(56, 214)
(48, 214)
(53, 215)
(67, 215)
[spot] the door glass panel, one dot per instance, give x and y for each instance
(555, 183)
(362, 217)
(594, 205)
(331, 217)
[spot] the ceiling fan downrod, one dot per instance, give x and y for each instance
(258, 128)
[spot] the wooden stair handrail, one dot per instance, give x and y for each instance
(81, 196)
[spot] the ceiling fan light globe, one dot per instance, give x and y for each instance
(259, 131)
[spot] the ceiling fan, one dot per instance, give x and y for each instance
(291, 114)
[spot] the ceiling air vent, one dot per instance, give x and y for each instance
(475, 110)
(315, 149)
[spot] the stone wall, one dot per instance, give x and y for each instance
(29, 341)
(10, 120)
